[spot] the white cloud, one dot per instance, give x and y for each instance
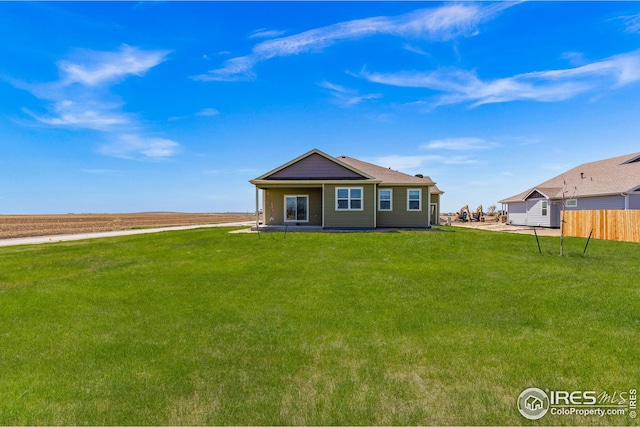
(89, 115)
(440, 23)
(462, 86)
(403, 163)
(574, 58)
(347, 97)
(135, 146)
(263, 33)
(415, 49)
(94, 68)
(81, 99)
(208, 112)
(416, 163)
(459, 144)
(631, 22)
(235, 69)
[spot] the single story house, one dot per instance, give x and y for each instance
(608, 184)
(317, 189)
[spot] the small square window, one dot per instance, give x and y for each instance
(384, 200)
(349, 199)
(414, 199)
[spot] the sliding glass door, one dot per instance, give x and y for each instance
(296, 208)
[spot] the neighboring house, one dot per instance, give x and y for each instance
(603, 185)
(316, 189)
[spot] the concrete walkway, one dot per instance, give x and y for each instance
(82, 236)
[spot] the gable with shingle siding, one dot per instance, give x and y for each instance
(314, 167)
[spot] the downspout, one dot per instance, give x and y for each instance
(626, 200)
(375, 206)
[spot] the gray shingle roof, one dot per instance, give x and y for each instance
(386, 175)
(603, 177)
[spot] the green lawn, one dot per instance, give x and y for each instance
(399, 328)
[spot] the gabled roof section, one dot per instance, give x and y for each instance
(314, 165)
(386, 175)
(542, 193)
(435, 190)
(615, 175)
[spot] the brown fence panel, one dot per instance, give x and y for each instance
(621, 225)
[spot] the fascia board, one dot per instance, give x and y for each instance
(308, 183)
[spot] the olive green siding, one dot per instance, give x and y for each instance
(274, 205)
(350, 219)
(368, 217)
(399, 216)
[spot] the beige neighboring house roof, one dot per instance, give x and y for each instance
(601, 178)
(388, 175)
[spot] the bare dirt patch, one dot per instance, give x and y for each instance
(491, 224)
(12, 226)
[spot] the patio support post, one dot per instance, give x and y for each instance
(257, 208)
(323, 210)
(428, 207)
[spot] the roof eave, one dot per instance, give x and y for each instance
(309, 182)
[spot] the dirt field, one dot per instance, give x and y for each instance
(493, 225)
(12, 226)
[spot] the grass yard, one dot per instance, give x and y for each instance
(399, 328)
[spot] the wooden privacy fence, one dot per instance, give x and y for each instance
(606, 225)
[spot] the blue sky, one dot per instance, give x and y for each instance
(172, 106)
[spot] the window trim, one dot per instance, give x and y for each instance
(419, 190)
(390, 190)
(544, 208)
(284, 219)
(349, 199)
(572, 203)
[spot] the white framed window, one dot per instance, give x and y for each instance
(572, 203)
(414, 199)
(545, 208)
(296, 208)
(385, 199)
(349, 199)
